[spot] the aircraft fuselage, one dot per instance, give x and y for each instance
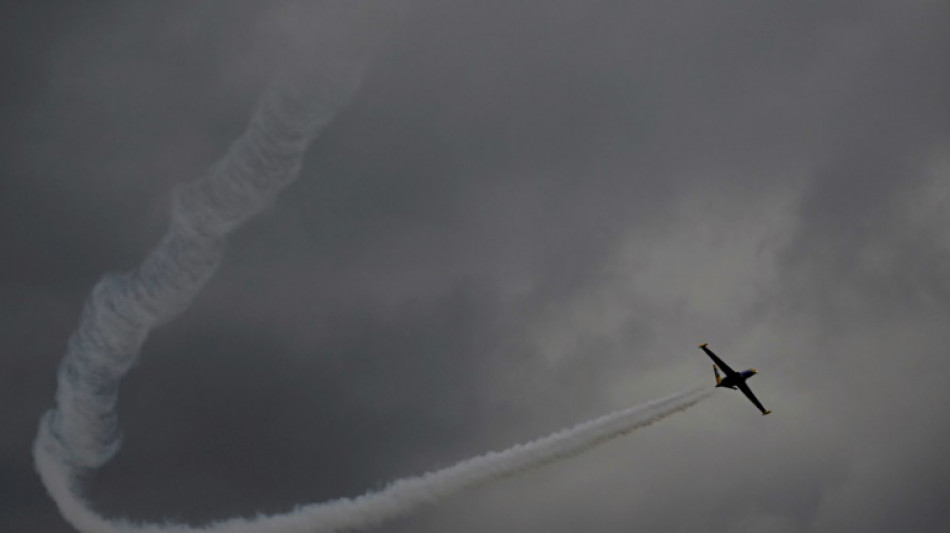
(733, 381)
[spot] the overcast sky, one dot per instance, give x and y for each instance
(529, 216)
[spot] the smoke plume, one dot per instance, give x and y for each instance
(81, 434)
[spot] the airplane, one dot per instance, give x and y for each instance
(733, 379)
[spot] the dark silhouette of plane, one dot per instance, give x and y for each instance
(734, 380)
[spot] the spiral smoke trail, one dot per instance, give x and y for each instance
(80, 434)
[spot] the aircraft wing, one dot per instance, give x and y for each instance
(722, 366)
(748, 393)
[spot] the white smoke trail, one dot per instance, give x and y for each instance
(402, 496)
(80, 434)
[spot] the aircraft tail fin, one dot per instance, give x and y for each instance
(718, 376)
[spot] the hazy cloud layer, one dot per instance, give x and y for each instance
(529, 216)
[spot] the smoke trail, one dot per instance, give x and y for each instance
(402, 496)
(80, 434)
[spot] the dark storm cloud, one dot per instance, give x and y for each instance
(532, 212)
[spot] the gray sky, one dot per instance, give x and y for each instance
(530, 215)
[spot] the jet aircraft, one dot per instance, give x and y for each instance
(733, 380)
